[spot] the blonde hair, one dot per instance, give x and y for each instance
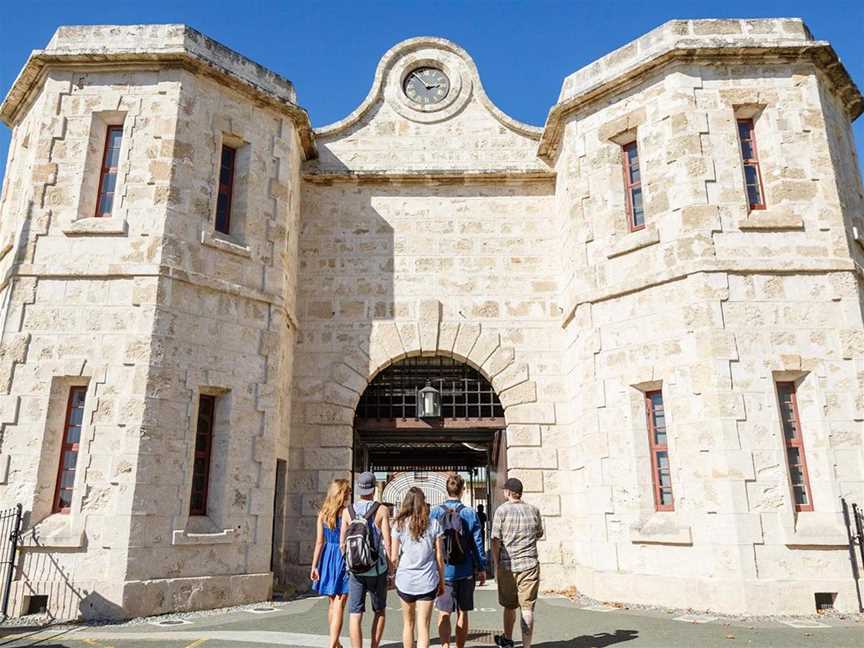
(334, 502)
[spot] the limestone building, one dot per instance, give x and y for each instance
(656, 300)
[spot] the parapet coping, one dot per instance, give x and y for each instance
(404, 48)
(178, 45)
(673, 42)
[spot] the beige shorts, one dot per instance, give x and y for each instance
(519, 589)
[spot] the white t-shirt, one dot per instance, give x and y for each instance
(417, 572)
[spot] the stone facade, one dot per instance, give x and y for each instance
(445, 229)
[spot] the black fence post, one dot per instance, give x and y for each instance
(854, 536)
(14, 526)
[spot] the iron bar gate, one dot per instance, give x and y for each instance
(854, 520)
(10, 532)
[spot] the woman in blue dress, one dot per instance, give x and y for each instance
(328, 574)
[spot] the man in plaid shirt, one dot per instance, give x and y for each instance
(515, 531)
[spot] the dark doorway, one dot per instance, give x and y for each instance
(391, 440)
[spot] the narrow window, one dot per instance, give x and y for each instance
(798, 477)
(633, 186)
(203, 447)
(108, 171)
(69, 450)
(750, 160)
(226, 190)
(660, 473)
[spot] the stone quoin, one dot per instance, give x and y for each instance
(663, 285)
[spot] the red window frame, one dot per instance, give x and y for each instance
(790, 422)
(225, 196)
(203, 453)
(69, 446)
(747, 126)
(657, 449)
(631, 186)
(106, 170)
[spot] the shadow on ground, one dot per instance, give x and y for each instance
(599, 640)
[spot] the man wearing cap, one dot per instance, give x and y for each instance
(516, 528)
(374, 581)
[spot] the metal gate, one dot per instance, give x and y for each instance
(10, 532)
(854, 520)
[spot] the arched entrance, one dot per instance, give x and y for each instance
(405, 450)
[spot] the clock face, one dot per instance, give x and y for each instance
(426, 85)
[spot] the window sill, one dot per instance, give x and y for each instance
(661, 527)
(632, 241)
(771, 219)
(226, 244)
(815, 529)
(57, 531)
(183, 537)
(94, 226)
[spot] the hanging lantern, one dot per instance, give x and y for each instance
(428, 402)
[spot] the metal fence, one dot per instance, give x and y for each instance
(853, 517)
(10, 531)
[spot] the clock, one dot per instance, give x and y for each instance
(426, 85)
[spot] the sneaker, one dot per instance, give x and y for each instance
(503, 642)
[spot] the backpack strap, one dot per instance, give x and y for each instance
(370, 514)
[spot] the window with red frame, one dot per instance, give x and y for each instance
(226, 189)
(750, 160)
(633, 186)
(108, 171)
(798, 477)
(661, 475)
(203, 450)
(69, 450)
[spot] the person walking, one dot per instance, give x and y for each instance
(416, 554)
(375, 546)
(328, 574)
(481, 518)
(516, 528)
(460, 576)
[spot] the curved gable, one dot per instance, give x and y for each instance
(390, 135)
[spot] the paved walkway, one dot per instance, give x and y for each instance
(561, 624)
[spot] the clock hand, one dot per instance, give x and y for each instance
(417, 76)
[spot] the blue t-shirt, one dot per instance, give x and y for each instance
(476, 553)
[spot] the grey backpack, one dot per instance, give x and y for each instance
(361, 550)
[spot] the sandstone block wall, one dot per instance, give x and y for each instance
(713, 303)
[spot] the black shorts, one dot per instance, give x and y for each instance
(458, 596)
(413, 598)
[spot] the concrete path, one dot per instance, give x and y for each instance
(561, 624)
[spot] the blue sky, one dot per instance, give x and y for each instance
(330, 49)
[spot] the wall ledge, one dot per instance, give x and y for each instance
(634, 241)
(93, 226)
(661, 528)
(771, 219)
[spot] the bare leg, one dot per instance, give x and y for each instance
(355, 627)
(461, 629)
(444, 629)
(377, 628)
(408, 613)
(527, 627)
(509, 622)
(335, 613)
(424, 617)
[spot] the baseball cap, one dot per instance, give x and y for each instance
(513, 485)
(366, 483)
